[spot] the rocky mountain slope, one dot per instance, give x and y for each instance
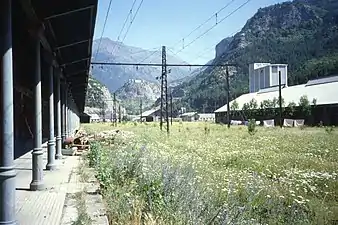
(302, 33)
(115, 77)
(99, 98)
(135, 91)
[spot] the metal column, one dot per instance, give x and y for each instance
(66, 111)
(63, 112)
(51, 142)
(7, 172)
(37, 170)
(58, 154)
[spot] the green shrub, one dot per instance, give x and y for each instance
(252, 126)
(93, 154)
(329, 129)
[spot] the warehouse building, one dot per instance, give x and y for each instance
(322, 95)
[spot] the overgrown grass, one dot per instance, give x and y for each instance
(277, 176)
(82, 216)
(80, 197)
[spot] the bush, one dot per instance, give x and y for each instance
(252, 126)
(93, 154)
(206, 129)
(329, 129)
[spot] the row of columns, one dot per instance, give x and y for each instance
(64, 108)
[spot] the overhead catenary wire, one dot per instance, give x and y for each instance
(153, 53)
(207, 31)
(132, 20)
(158, 64)
(104, 27)
(212, 47)
(205, 22)
(124, 24)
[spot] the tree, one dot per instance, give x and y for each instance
(304, 105)
(234, 106)
(291, 108)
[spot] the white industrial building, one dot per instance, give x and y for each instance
(264, 75)
(323, 90)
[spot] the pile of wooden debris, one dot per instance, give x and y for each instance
(78, 143)
(81, 141)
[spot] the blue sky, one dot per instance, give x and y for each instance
(167, 22)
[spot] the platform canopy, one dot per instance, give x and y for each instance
(69, 29)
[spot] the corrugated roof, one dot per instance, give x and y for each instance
(94, 116)
(149, 112)
(189, 114)
(206, 115)
(325, 94)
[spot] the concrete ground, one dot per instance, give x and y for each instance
(55, 204)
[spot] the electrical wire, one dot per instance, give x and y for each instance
(207, 31)
(131, 22)
(153, 53)
(104, 27)
(201, 53)
(124, 24)
(206, 21)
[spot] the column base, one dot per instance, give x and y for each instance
(51, 167)
(37, 186)
(13, 222)
(37, 171)
(50, 155)
(7, 181)
(58, 154)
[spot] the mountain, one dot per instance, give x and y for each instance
(134, 91)
(115, 77)
(99, 98)
(301, 33)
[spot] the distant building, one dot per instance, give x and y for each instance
(323, 90)
(207, 117)
(264, 75)
(84, 118)
(151, 115)
(189, 116)
(94, 117)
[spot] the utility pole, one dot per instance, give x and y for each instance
(228, 95)
(280, 99)
(115, 118)
(161, 77)
(104, 111)
(164, 90)
(171, 107)
(120, 113)
(140, 110)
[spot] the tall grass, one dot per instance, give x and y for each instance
(226, 177)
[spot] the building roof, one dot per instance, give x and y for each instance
(206, 115)
(325, 92)
(94, 116)
(189, 114)
(69, 29)
(149, 112)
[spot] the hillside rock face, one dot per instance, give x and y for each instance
(133, 92)
(302, 33)
(115, 77)
(99, 98)
(222, 46)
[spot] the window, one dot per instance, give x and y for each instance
(274, 69)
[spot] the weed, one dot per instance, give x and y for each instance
(277, 177)
(83, 218)
(329, 129)
(252, 126)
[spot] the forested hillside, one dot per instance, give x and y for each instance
(302, 33)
